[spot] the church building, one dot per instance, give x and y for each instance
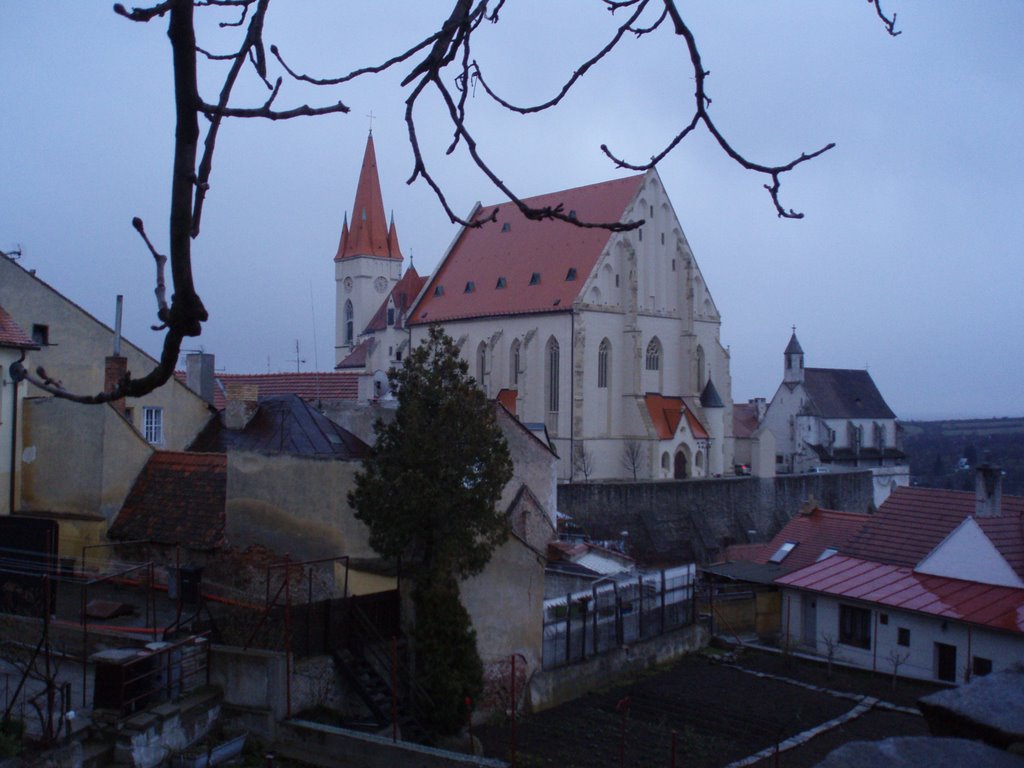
(608, 342)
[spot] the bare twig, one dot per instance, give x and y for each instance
(162, 310)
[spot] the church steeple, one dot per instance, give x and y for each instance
(794, 355)
(368, 234)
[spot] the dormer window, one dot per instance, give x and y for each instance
(501, 283)
(470, 287)
(535, 278)
(506, 227)
(439, 290)
(572, 214)
(571, 274)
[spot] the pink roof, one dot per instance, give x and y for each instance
(744, 419)
(900, 587)
(357, 357)
(11, 334)
(913, 521)
(315, 385)
(813, 533)
(513, 249)
(369, 234)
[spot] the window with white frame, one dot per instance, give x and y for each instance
(153, 424)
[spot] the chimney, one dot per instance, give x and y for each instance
(114, 370)
(199, 374)
(760, 407)
(242, 402)
(988, 490)
(808, 507)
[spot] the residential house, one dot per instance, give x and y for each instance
(834, 418)
(14, 345)
(582, 330)
(931, 586)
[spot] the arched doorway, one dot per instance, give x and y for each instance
(681, 468)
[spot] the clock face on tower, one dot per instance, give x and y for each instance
(381, 284)
(348, 283)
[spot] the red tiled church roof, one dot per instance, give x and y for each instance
(516, 266)
(369, 234)
(178, 498)
(913, 521)
(667, 412)
(404, 294)
(11, 334)
(900, 587)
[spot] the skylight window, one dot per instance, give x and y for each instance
(501, 283)
(782, 552)
(535, 278)
(827, 552)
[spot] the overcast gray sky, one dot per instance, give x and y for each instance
(909, 260)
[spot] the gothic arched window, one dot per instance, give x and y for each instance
(481, 365)
(513, 364)
(552, 378)
(654, 355)
(349, 322)
(603, 353)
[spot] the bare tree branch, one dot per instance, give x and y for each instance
(890, 24)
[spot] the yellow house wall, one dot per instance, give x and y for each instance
(77, 349)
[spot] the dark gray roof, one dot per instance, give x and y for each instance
(793, 348)
(838, 393)
(755, 573)
(283, 424)
(710, 398)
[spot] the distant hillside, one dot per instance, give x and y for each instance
(943, 453)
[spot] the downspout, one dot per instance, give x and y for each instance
(16, 376)
(572, 391)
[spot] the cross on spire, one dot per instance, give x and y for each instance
(370, 115)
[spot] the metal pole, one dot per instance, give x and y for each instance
(514, 707)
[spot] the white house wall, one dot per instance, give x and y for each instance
(1004, 649)
(967, 553)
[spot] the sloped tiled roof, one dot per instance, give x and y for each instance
(357, 357)
(667, 412)
(283, 424)
(839, 393)
(813, 533)
(178, 498)
(369, 234)
(311, 386)
(11, 334)
(512, 250)
(911, 522)
(404, 293)
(900, 587)
(744, 419)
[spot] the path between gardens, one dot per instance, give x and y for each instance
(864, 704)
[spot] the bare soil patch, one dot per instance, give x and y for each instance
(719, 714)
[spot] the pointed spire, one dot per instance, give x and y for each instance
(343, 243)
(710, 398)
(368, 235)
(793, 348)
(393, 250)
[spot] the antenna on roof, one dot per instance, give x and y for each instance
(298, 360)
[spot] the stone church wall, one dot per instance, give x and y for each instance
(668, 522)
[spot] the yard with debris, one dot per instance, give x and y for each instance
(723, 713)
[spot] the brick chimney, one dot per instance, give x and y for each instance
(988, 490)
(114, 369)
(242, 402)
(199, 375)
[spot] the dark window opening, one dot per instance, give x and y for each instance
(903, 637)
(883, 618)
(535, 278)
(981, 666)
(439, 290)
(506, 227)
(501, 283)
(616, 281)
(663, 242)
(571, 274)
(41, 334)
(855, 626)
(572, 214)
(470, 287)
(391, 315)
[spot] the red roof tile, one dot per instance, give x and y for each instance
(368, 234)
(913, 521)
(357, 357)
(813, 533)
(513, 249)
(404, 294)
(11, 334)
(507, 397)
(314, 385)
(667, 412)
(900, 587)
(744, 419)
(178, 498)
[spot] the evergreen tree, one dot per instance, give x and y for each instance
(428, 493)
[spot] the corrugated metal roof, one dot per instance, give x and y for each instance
(529, 260)
(900, 587)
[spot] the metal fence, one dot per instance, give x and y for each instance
(616, 612)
